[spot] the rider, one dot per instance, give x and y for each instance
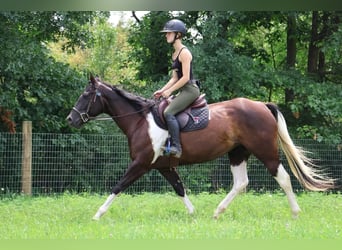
(181, 81)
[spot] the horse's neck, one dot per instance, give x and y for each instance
(123, 113)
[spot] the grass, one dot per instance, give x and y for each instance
(163, 216)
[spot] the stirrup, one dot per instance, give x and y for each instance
(172, 151)
(175, 152)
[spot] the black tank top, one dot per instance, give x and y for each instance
(177, 65)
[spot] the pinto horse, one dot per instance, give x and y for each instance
(239, 127)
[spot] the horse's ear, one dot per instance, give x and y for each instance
(93, 81)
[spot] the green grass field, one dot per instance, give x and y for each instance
(163, 216)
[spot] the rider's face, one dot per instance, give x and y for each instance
(170, 36)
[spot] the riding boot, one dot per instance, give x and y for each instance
(173, 127)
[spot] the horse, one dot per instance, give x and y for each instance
(238, 127)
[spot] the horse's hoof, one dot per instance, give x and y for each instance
(95, 218)
(295, 213)
(295, 216)
(215, 216)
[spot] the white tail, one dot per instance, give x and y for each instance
(301, 166)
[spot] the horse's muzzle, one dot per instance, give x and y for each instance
(74, 122)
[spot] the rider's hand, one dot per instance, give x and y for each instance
(158, 94)
(166, 93)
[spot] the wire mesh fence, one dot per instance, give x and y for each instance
(95, 163)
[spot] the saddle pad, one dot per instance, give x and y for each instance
(199, 119)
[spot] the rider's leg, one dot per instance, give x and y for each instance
(184, 98)
(173, 127)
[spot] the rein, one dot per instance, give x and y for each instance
(85, 117)
(117, 116)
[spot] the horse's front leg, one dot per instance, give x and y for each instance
(173, 178)
(134, 172)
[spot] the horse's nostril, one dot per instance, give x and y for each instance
(69, 119)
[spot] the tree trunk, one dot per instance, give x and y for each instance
(291, 50)
(291, 41)
(313, 48)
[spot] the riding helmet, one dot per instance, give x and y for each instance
(174, 25)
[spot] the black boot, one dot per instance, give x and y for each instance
(173, 127)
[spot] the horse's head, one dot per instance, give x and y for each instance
(88, 105)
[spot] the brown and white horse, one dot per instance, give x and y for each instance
(239, 127)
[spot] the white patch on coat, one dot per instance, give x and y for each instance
(158, 136)
(240, 182)
(103, 209)
(188, 204)
(284, 181)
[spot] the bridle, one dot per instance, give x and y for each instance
(85, 116)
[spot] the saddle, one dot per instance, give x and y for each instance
(194, 117)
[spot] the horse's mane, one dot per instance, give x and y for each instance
(139, 103)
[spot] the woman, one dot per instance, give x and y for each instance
(181, 81)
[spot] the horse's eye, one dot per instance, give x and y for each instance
(86, 94)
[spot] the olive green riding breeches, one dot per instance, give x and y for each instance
(187, 94)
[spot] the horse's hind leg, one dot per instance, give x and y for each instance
(283, 178)
(270, 157)
(173, 178)
(240, 179)
(238, 160)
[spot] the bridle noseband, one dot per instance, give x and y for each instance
(85, 116)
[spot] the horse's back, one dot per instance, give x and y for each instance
(239, 102)
(242, 118)
(240, 109)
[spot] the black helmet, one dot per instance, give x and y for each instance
(174, 25)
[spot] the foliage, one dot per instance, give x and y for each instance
(239, 74)
(109, 55)
(52, 25)
(150, 49)
(317, 110)
(250, 61)
(33, 85)
(39, 91)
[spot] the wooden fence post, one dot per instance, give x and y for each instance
(26, 170)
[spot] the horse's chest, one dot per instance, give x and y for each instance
(157, 136)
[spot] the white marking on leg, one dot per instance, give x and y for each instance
(188, 204)
(240, 182)
(284, 181)
(157, 135)
(104, 207)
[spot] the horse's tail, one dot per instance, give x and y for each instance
(301, 166)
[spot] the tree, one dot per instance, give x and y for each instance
(291, 50)
(323, 25)
(109, 54)
(33, 85)
(150, 49)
